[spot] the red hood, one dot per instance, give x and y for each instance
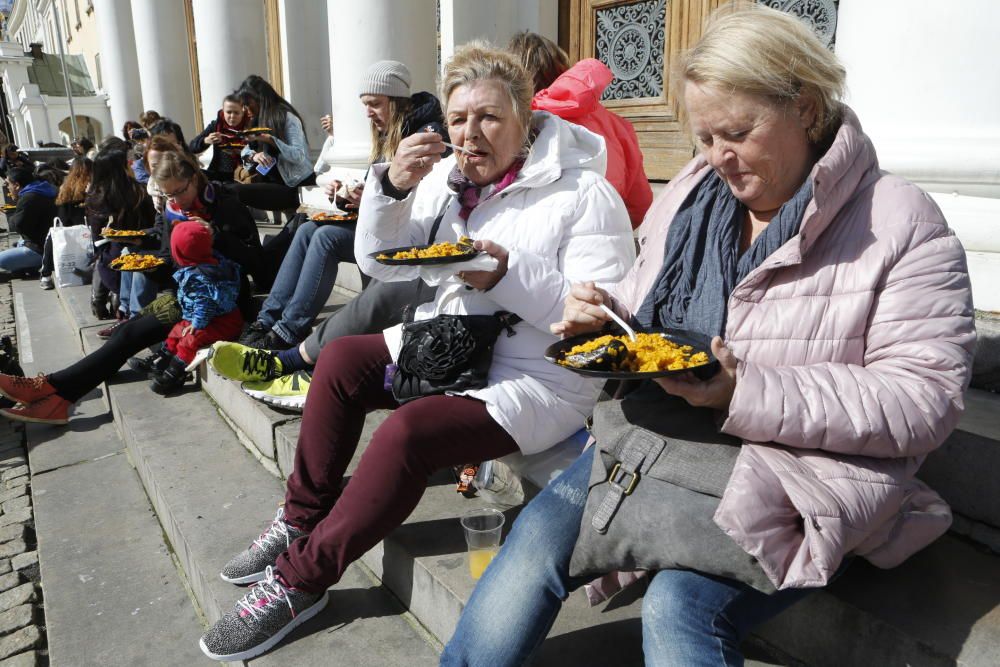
(577, 91)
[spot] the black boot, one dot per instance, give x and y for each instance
(157, 361)
(100, 309)
(171, 379)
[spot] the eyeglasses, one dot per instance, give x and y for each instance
(175, 195)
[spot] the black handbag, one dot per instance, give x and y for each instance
(447, 353)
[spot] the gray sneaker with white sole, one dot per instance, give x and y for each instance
(261, 619)
(249, 565)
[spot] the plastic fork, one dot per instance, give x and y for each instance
(620, 321)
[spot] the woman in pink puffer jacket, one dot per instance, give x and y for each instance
(842, 314)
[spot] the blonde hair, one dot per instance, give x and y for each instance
(761, 51)
(176, 165)
(541, 58)
(384, 144)
(480, 61)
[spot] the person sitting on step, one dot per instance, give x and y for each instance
(32, 219)
(207, 287)
(309, 268)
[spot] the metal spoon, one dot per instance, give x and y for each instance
(620, 321)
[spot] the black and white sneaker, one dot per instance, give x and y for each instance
(250, 565)
(261, 619)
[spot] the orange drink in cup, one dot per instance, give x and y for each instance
(482, 534)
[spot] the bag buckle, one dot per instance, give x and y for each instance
(627, 489)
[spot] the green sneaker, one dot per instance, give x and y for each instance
(239, 362)
(288, 391)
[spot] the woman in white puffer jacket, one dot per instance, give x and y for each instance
(531, 190)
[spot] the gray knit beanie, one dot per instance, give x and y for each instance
(386, 77)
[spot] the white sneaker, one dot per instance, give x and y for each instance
(47, 282)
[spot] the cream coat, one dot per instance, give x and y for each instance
(562, 222)
(855, 342)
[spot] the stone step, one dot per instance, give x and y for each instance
(963, 469)
(107, 575)
(212, 497)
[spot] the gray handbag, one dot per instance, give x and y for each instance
(660, 468)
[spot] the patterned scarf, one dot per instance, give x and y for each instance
(702, 262)
(470, 194)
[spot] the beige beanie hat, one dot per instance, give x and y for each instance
(386, 77)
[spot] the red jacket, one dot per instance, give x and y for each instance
(576, 97)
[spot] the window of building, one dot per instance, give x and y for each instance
(90, 7)
(76, 8)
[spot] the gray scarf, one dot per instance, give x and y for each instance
(701, 260)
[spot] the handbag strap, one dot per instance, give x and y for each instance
(408, 308)
(437, 220)
(639, 444)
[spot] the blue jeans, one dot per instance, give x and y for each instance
(306, 278)
(688, 618)
(137, 291)
(20, 258)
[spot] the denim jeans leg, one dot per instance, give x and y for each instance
(690, 618)
(125, 293)
(19, 258)
(330, 245)
(288, 275)
(519, 596)
(142, 293)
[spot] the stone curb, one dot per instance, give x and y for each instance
(22, 617)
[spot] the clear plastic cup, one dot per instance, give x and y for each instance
(482, 535)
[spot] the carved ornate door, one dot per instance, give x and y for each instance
(639, 40)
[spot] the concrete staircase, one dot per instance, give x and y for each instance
(214, 486)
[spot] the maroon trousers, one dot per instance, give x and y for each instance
(417, 440)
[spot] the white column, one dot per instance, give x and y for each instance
(119, 63)
(231, 45)
(495, 21)
(362, 33)
(921, 78)
(306, 71)
(161, 38)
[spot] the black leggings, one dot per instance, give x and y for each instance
(76, 381)
(270, 196)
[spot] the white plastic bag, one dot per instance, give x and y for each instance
(72, 248)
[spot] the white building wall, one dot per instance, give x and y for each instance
(922, 76)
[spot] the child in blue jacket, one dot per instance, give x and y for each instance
(207, 286)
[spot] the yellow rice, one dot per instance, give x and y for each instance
(647, 354)
(445, 249)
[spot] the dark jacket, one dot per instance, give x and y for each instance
(224, 160)
(36, 208)
(20, 159)
(236, 235)
(98, 217)
(425, 109)
(71, 213)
